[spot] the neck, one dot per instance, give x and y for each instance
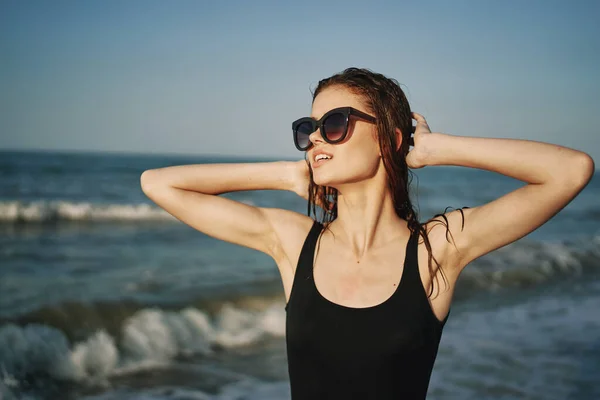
(366, 217)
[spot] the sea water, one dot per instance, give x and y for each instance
(103, 295)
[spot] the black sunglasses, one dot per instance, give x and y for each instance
(334, 126)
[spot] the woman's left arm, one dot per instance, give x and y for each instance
(554, 176)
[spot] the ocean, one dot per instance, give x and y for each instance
(104, 296)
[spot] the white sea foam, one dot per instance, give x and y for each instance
(40, 211)
(149, 338)
(96, 357)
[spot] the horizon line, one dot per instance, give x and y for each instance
(174, 154)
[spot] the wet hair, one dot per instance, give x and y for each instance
(383, 98)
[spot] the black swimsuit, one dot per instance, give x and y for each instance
(381, 352)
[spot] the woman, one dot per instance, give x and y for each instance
(361, 323)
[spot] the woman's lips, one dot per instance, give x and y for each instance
(320, 162)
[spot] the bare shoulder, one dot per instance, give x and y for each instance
(291, 229)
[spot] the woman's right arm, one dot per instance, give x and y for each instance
(190, 193)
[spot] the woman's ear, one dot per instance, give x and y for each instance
(399, 138)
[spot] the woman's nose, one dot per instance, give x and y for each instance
(316, 136)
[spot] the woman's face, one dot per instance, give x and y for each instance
(354, 159)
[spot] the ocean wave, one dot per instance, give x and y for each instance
(529, 263)
(150, 337)
(56, 211)
(124, 337)
(45, 211)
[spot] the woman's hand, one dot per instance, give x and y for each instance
(417, 157)
(301, 178)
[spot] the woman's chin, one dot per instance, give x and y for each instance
(329, 177)
(324, 180)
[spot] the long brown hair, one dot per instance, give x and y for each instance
(384, 98)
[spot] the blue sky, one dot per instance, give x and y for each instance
(228, 77)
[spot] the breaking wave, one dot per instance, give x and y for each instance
(57, 211)
(45, 211)
(148, 338)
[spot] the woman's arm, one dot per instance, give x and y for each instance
(189, 193)
(554, 176)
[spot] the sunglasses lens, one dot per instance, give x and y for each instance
(335, 127)
(302, 133)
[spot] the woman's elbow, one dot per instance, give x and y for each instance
(148, 180)
(578, 172)
(586, 168)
